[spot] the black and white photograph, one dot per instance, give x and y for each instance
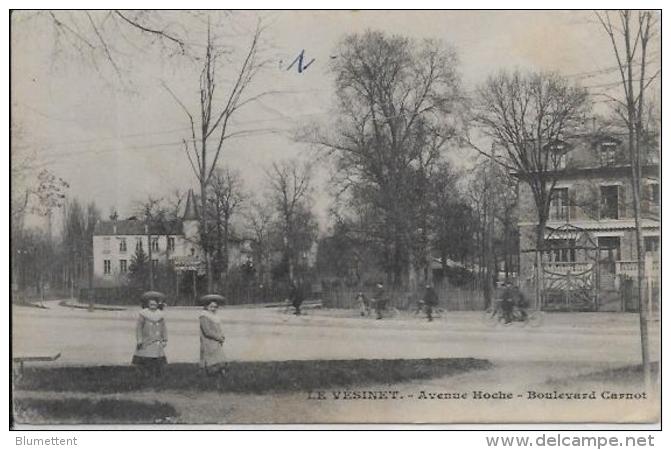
(361, 218)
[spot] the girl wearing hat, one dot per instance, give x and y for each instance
(152, 337)
(212, 358)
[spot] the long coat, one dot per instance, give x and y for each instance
(430, 297)
(151, 334)
(212, 338)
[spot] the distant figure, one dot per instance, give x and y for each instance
(507, 302)
(212, 358)
(519, 300)
(296, 297)
(380, 300)
(430, 301)
(363, 304)
(152, 337)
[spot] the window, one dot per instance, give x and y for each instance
(138, 244)
(559, 152)
(106, 245)
(651, 244)
(609, 202)
(607, 153)
(123, 266)
(193, 251)
(561, 164)
(154, 244)
(107, 266)
(561, 250)
(654, 193)
(559, 204)
(154, 264)
(610, 248)
(171, 243)
(122, 245)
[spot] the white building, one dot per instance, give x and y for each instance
(116, 241)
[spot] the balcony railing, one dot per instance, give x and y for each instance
(630, 268)
(567, 267)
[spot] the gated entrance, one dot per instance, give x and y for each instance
(570, 270)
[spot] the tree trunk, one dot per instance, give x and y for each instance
(203, 225)
(640, 254)
(151, 261)
(540, 245)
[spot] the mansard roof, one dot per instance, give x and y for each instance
(129, 227)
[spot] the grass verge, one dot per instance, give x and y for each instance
(246, 377)
(90, 411)
(621, 375)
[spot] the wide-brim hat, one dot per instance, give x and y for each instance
(209, 298)
(152, 295)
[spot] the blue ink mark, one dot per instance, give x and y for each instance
(300, 60)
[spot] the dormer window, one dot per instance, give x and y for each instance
(559, 152)
(607, 153)
(654, 193)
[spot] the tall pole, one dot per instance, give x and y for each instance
(193, 281)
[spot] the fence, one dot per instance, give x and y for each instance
(236, 295)
(452, 298)
(110, 295)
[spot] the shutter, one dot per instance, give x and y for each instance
(621, 203)
(572, 209)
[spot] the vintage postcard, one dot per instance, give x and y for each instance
(354, 218)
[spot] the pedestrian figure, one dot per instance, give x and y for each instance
(296, 297)
(152, 337)
(212, 357)
(519, 300)
(507, 303)
(430, 301)
(380, 300)
(363, 304)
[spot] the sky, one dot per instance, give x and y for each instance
(116, 139)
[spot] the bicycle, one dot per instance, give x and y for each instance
(383, 310)
(437, 312)
(494, 315)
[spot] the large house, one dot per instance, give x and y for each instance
(176, 243)
(590, 240)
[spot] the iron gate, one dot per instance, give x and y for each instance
(570, 270)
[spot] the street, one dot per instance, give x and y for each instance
(566, 347)
(108, 337)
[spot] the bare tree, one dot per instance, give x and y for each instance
(152, 214)
(259, 220)
(527, 116)
(398, 107)
(107, 39)
(289, 183)
(630, 33)
(225, 198)
(212, 127)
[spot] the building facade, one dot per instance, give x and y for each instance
(590, 237)
(175, 243)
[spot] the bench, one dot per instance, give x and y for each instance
(22, 359)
